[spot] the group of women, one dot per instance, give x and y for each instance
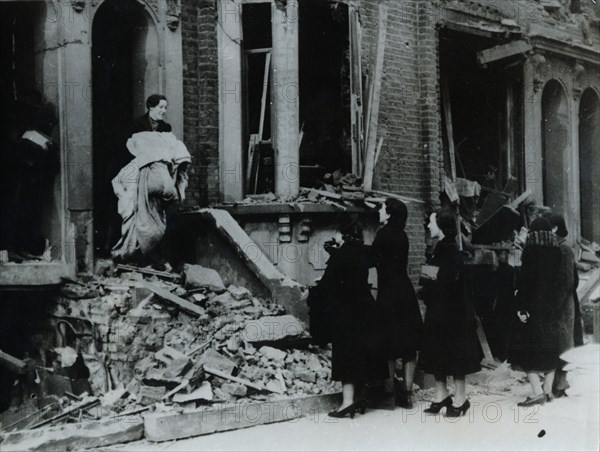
(369, 335)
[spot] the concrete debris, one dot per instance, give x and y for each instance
(197, 276)
(151, 344)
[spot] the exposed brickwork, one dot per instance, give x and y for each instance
(200, 103)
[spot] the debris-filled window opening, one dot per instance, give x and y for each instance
(324, 90)
(485, 104)
(589, 165)
(257, 69)
(29, 158)
(119, 29)
(555, 144)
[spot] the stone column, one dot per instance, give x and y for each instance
(285, 111)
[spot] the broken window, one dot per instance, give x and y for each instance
(256, 67)
(323, 93)
(324, 90)
(483, 117)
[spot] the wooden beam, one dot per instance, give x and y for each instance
(375, 99)
(218, 373)
(405, 199)
(503, 51)
(11, 363)
(173, 300)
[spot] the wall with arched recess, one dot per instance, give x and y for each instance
(589, 164)
(556, 145)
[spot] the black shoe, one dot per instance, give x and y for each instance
(549, 397)
(530, 401)
(435, 407)
(350, 410)
(453, 411)
(404, 400)
(558, 393)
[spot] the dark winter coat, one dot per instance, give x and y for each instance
(401, 321)
(355, 337)
(450, 345)
(566, 308)
(542, 293)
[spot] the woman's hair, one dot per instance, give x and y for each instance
(557, 220)
(446, 221)
(351, 228)
(153, 100)
(540, 224)
(397, 211)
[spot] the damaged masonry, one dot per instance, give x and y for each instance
(173, 172)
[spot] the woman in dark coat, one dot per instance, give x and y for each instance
(397, 303)
(354, 344)
(535, 346)
(450, 345)
(570, 329)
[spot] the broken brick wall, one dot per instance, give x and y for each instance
(200, 99)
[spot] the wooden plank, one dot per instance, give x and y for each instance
(263, 99)
(147, 271)
(325, 194)
(405, 199)
(375, 99)
(503, 51)
(11, 363)
(515, 204)
(218, 373)
(379, 146)
(173, 299)
(487, 352)
(79, 436)
(72, 410)
(173, 426)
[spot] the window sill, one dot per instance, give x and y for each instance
(287, 208)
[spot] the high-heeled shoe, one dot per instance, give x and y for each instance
(350, 410)
(530, 401)
(435, 407)
(453, 411)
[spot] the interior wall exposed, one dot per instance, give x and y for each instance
(589, 164)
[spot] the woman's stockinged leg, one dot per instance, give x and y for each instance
(534, 381)
(549, 381)
(409, 374)
(348, 390)
(441, 391)
(459, 390)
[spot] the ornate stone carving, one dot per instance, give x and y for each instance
(173, 14)
(578, 72)
(78, 5)
(538, 61)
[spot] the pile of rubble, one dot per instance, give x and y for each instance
(151, 339)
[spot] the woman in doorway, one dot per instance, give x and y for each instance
(450, 345)
(535, 345)
(397, 302)
(345, 284)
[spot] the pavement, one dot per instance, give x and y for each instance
(493, 423)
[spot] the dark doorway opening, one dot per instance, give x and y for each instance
(117, 26)
(324, 89)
